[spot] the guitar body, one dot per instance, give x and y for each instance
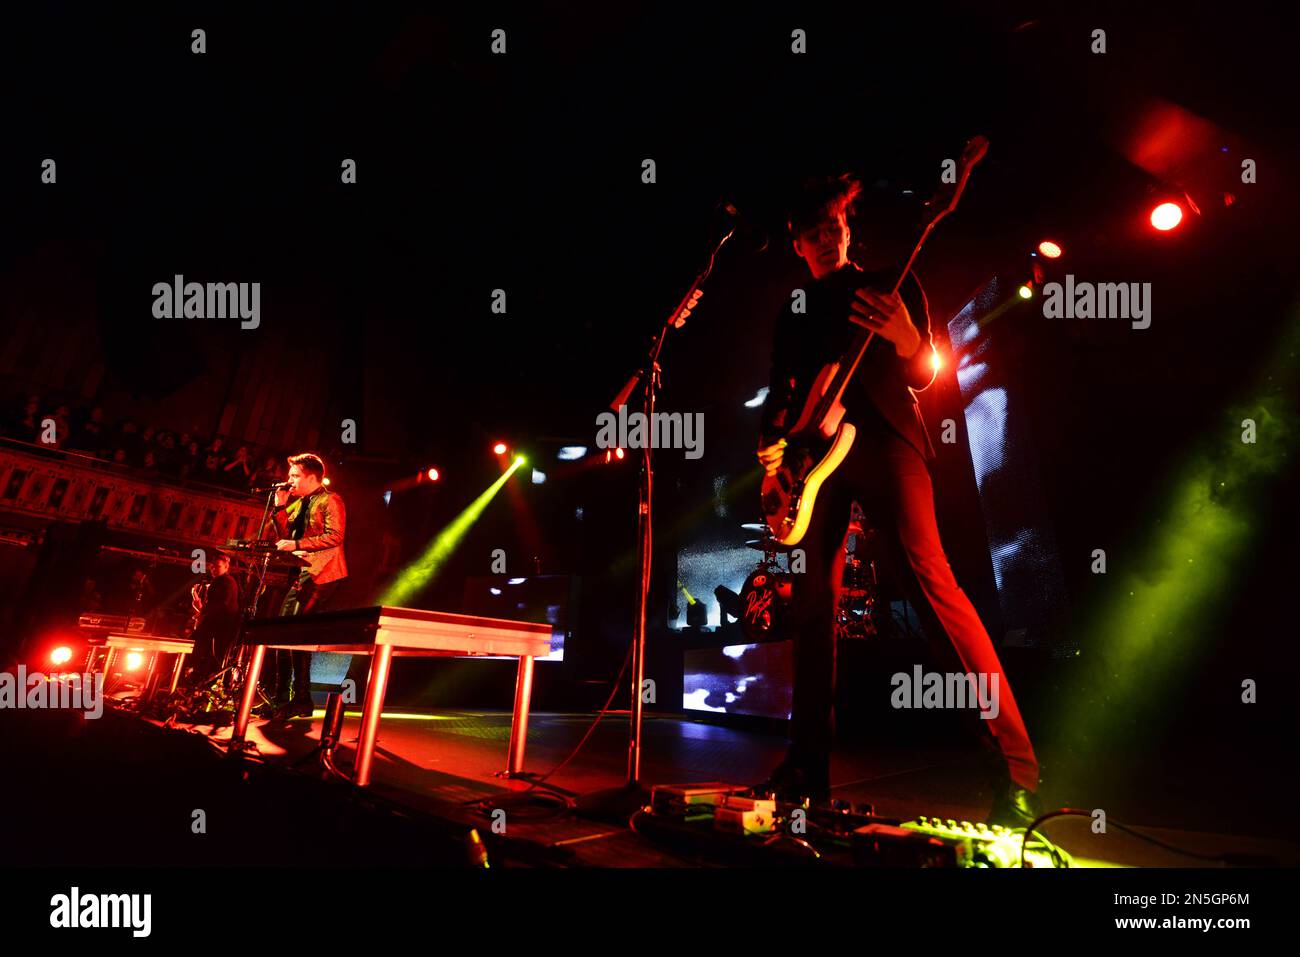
(198, 598)
(814, 450)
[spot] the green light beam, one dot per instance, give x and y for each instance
(1166, 607)
(426, 567)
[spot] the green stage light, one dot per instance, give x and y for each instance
(1168, 598)
(424, 569)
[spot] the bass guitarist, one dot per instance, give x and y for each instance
(886, 472)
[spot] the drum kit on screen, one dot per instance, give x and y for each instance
(765, 596)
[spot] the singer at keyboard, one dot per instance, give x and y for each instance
(310, 520)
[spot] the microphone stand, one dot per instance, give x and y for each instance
(252, 598)
(255, 594)
(617, 803)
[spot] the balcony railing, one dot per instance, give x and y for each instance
(70, 486)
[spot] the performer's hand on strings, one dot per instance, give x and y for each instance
(888, 317)
(770, 456)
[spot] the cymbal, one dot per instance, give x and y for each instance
(766, 545)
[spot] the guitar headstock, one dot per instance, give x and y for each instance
(948, 195)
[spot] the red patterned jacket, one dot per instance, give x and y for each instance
(322, 540)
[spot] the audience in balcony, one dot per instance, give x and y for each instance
(152, 451)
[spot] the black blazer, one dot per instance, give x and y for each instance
(881, 392)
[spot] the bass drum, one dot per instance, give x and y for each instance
(763, 601)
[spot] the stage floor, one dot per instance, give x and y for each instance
(444, 762)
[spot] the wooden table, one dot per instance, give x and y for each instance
(383, 632)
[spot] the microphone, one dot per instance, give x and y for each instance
(270, 488)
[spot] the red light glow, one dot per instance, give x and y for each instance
(1166, 216)
(1049, 250)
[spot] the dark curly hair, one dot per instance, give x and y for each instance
(820, 198)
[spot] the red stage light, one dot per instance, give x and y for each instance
(1049, 249)
(619, 453)
(61, 655)
(936, 360)
(433, 475)
(1166, 216)
(499, 448)
(134, 660)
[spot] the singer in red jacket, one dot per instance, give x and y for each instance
(310, 521)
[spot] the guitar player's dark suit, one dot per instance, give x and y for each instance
(886, 472)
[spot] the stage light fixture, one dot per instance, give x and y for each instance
(1049, 249)
(499, 448)
(619, 454)
(936, 360)
(433, 475)
(1166, 216)
(1026, 291)
(61, 655)
(134, 660)
(571, 453)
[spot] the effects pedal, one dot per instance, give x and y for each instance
(745, 815)
(984, 845)
(689, 799)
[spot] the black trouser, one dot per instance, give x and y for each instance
(304, 596)
(212, 639)
(890, 480)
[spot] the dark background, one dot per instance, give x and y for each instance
(522, 172)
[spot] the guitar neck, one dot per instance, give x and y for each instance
(857, 349)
